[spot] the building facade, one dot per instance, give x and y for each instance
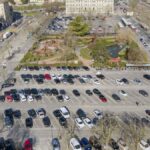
(89, 7)
(6, 13)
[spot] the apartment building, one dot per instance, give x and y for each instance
(89, 7)
(6, 12)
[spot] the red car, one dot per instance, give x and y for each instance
(102, 98)
(9, 98)
(47, 77)
(27, 145)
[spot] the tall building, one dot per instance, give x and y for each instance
(89, 7)
(6, 12)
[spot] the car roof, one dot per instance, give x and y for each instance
(74, 141)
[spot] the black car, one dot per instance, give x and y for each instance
(97, 92)
(143, 92)
(8, 112)
(54, 92)
(81, 114)
(63, 121)
(57, 113)
(9, 144)
(146, 76)
(27, 91)
(76, 92)
(16, 97)
(62, 92)
(29, 122)
(100, 76)
(57, 81)
(70, 81)
(2, 98)
(41, 76)
(47, 91)
(9, 121)
(86, 68)
(46, 121)
(89, 92)
(2, 143)
(35, 76)
(39, 81)
(147, 112)
(81, 80)
(17, 114)
(13, 91)
(34, 91)
(6, 85)
(113, 144)
(116, 97)
(29, 76)
(32, 113)
(60, 98)
(125, 80)
(37, 97)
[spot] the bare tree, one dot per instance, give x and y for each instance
(132, 132)
(105, 128)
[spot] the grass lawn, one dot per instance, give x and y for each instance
(85, 53)
(30, 14)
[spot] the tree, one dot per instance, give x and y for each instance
(135, 54)
(79, 27)
(99, 52)
(24, 1)
(133, 4)
(132, 132)
(105, 128)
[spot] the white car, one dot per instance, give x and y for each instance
(66, 97)
(75, 145)
(54, 76)
(30, 98)
(98, 114)
(79, 123)
(65, 112)
(88, 122)
(96, 81)
(41, 112)
(122, 92)
(119, 82)
(59, 77)
(144, 145)
(22, 97)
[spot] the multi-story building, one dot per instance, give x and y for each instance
(44, 1)
(6, 13)
(89, 7)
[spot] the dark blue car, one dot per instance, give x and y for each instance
(85, 144)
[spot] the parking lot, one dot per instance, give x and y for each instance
(107, 87)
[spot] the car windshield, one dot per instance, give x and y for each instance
(77, 146)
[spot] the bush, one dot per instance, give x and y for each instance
(86, 53)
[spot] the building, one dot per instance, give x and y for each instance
(44, 1)
(6, 13)
(89, 7)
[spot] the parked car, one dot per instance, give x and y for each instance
(144, 145)
(17, 114)
(113, 144)
(55, 144)
(146, 76)
(46, 121)
(81, 114)
(65, 112)
(29, 122)
(76, 92)
(116, 97)
(88, 122)
(79, 123)
(85, 144)
(75, 145)
(27, 145)
(123, 93)
(122, 144)
(32, 113)
(93, 140)
(143, 92)
(63, 121)
(98, 114)
(41, 112)
(2, 143)
(89, 92)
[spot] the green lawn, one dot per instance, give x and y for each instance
(85, 53)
